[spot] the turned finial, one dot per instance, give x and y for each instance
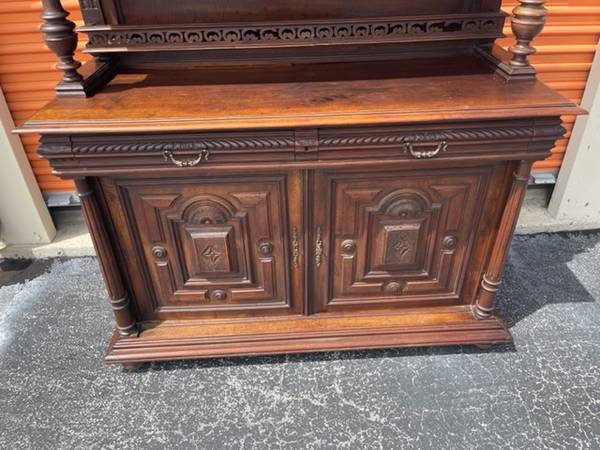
(61, 39)
(527, 22)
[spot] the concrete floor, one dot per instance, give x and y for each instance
(541, 393)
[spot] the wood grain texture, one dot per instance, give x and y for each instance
(396, 239)
(286, 199)
(61, 39)
(288, 34)
(137, 12)
(319, 95)
(527, 22)
(491, 280)
(423, 328)
(215, 247)
(118, 294)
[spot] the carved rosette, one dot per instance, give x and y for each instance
(265, 249)
(527, 22)
(349, 247)
(159, 252)
(395, 288)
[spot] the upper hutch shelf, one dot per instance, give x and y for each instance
(129, 34)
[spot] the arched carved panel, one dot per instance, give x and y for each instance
(222, 243)
(210, 238)
(397, 238)
(397, 225)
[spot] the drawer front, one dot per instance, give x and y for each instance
(212, 247)
(508, 139)
(172, 151)
(417, 145)
(395, 238)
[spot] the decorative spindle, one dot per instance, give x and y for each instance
(527, 22)
(117, 293)
(492, 279)
(61, 38)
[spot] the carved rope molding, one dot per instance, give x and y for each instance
(207, 36)
(400, 138)
(273, 143)
(209, 144)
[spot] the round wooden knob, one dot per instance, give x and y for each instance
(450, 242)
(394, 287)
(159, 252)
(265, 248)
(348, 247)
(218, 295)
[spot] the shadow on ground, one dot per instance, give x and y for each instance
(540, 393)
(543, 270)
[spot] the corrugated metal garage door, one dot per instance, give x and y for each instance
(565, 51)
(27, 74)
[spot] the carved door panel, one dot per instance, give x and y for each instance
(216, 246)
(394, 239)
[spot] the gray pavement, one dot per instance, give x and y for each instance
(541, 393)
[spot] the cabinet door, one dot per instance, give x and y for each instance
(214, 247)
(392, 238)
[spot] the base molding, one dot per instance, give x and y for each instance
(499, 59)
(193, 340)
(96, 74)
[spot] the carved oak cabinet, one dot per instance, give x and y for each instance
(266, 177)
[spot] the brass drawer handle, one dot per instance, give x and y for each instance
(168, 155)
(442, 147)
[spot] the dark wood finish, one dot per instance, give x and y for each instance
(423, 327)
(264, 177)
(212, 247)
(527, 22)
(62, 40)
(180, 11)
(490, 283)
(341, 95)
(124, 313)
(393, 239)
(183, 31)
(111, 38)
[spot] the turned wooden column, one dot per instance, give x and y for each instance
(61, 39)
(527, 22)
(484, 305)
(118, 296)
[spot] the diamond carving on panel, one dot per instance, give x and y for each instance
(402, 244)
(401, 249)
(211, 254)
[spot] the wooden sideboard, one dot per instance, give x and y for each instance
(266, 177)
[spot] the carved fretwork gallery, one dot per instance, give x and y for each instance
(266, 177)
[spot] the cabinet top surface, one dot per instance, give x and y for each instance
(340, 94)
